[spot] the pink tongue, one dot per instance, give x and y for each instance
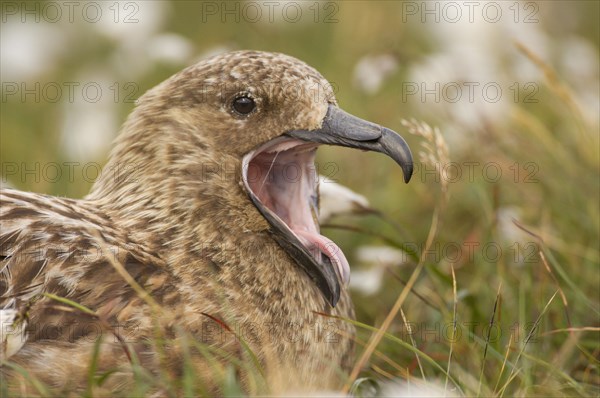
(330, 249)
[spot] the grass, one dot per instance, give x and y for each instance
(516, 355)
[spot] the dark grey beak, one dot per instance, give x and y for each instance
(341, 128)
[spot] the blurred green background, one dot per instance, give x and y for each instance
(512, 86)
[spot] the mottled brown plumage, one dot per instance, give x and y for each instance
(171, 209)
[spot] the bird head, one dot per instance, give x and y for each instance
(267, 113)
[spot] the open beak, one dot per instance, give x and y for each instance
(289, 204)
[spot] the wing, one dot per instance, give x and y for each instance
(53, 249)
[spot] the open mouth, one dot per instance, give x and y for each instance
(281, 180)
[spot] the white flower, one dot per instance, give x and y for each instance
(90, 120)
(369, 281)
(169, 47)
(371, 71)
(336, 199)
(28, 50)
(415, 389)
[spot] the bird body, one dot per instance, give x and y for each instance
(67, 248)
(176, 238)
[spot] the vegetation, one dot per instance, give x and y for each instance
(495, 292)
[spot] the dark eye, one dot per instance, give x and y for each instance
(243, 105)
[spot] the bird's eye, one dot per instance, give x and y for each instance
(243, 105)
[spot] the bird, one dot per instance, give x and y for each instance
(202, 223)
